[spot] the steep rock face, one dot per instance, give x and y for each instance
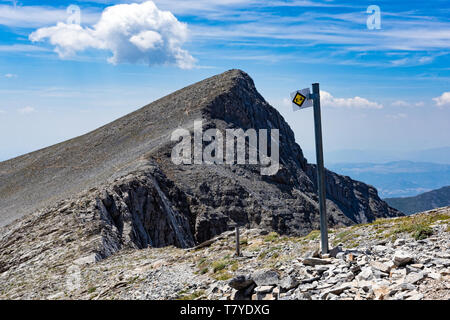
(139, 214)
(125, 192)
(142, 209)
(357, 200)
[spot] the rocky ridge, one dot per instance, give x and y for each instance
(121, 176)
(405, 258)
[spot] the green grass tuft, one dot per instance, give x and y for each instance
(271, 237)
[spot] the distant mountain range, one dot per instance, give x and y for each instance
(397, 178)
(425, 201)
(435, 155)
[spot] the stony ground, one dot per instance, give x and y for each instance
(398, 258)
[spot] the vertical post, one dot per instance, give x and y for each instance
(238, 244)
(320, 170)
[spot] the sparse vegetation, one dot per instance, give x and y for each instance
(220, 265)
(271, 237)
(417, 226)
(192, 296)
(234, 266)
(343, 236)
(201, 261)
(262, 255)
(313, 235)
(422, 232)
(223, 275)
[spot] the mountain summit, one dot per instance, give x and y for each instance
(117, 187)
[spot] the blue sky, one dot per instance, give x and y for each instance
(383, 89)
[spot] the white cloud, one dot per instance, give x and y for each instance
(10, 75)
(286, 102)
(424, 60)
(327, 100)
(26, 110)
(397, 116)
(134, 33)
(400, 103)
(443, 100)
(38, 16)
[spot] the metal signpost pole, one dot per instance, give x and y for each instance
(320, 170)
(238, 248)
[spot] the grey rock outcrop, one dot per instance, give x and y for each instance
(241, 282)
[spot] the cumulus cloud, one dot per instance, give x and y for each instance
(397, 116)
(327, 100)
(26, 110)
(402, 103)
(443, 100)
(10, 75)
(133, 33)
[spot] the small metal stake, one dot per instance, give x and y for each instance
(238, 245)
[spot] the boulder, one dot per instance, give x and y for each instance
(265, 278)
(263, 289)
(241, 282)
(441, 262)
(434, 275)
(288, 283)
(402, 258)
(333, 252)
(312, 254)
(383, 267)
(315, 261)
(379, 249)
(365, 274)
(415, 296)
(415, 277)
(337, 290)
(238, 295)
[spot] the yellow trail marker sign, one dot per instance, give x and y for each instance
(301, 99)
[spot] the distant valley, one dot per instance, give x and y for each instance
(397, 178)
(422, 202)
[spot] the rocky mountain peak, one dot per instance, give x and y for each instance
(119, 187)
